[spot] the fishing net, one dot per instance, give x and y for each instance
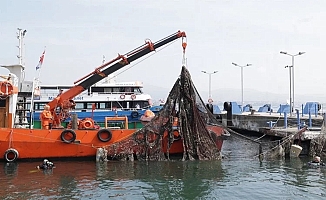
(183, 119)
(318, 144)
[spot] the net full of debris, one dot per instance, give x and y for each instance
(183, 119)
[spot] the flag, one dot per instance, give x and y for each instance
(41, 61)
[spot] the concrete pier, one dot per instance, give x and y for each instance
(277, 126)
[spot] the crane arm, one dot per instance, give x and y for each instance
(64, 101)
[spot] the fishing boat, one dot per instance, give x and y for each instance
(19, 139)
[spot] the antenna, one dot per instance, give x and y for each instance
(20, 35)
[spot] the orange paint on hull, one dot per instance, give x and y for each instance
(47, 143)
(37, 143)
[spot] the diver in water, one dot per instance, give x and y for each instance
(317, 162)
(46, 165)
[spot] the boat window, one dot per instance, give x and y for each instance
(89, 105)
(107, 90)
(137, 90)
(102, 105)
(79, 106)
(116, 90)
(119, 104)
(128, 90)
(40, 106)
(98, 89)
(3, 103)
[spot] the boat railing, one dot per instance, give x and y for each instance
(52, 94)
(116, 119)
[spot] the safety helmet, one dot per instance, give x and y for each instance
(45, 161)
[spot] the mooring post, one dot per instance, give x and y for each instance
(285, 120)
(298, 118)
(74, 121)
(228, 107)
(316, 111)
(281, 109)
(310, 121)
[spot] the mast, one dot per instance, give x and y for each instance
(20, 35)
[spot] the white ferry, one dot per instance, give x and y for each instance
(105, 99)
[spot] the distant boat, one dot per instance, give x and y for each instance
(105, 99)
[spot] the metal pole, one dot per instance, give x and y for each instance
(293, 83)
(209, 86)
(290, 90)
(209, 83)
(242, 86)
(241, 79)
(298, 54)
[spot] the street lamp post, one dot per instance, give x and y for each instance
(241, 66)
(298, 54)
(290, 89)
(209, 83)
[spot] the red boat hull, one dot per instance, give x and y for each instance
(40, 144)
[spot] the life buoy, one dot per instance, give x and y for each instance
(133, 96)
(134, 114)
(11, 155)
(6, 89)
(122, 96)
(87, 124)
(68, 136)
(106, 132)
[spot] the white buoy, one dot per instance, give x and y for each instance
(295, 150)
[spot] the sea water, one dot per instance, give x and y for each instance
(240, 175)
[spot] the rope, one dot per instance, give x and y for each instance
(238, 134)
(285, 140)
(10, 139)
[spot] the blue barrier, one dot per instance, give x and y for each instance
(311, 107)
(284, 108)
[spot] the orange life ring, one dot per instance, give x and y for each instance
(133, 96)
(6, 88)
(122, 96)
(87, 124)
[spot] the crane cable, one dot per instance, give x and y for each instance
(136, 63)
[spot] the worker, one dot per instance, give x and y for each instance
(316, 162)
(46, 165)
(46, 118)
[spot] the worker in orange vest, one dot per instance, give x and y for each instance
(46, 117)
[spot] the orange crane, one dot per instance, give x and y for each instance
(61, 106)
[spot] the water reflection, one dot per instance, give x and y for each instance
(170, 179)
(112, 179)
(240, 176)
(10, 169)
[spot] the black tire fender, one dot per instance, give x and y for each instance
(67, 132)
(134, 114)
(10, 151)
(107, 132)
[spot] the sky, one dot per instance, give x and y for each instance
(78, 33)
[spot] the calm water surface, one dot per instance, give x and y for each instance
(240, 176)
